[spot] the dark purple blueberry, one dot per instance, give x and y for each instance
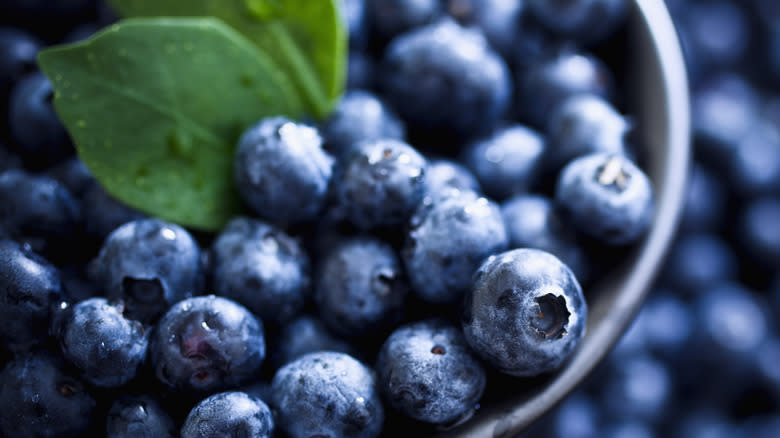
(361, 71)
(754, 166)
(759, 231)
(443, 175)
(638, 388)
(229, 414)
(697, 261)
(587, 21)
(389, 18)
(139, 417)
(18, 50)
(303, 335)
(353, 12)
(705, 201)
(73, 174)
(719, 32)
(104, 213)
(499, 20)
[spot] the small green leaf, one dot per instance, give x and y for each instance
(307, 38)
(156, 105)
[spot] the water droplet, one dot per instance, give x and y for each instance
(261, 9)
(172, 339)
(81, 123)
(205, 326)
(168, 233)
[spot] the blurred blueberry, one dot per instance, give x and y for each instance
(354, 14)
(508, 161)
(139, 417)
(261, 267)
(104, 213)
(390, 18)
(759, 231)
(766, 360)
(444, 77)
(360, 288)
(38, 398)
(526, 313)
(281, 170)
(81, 33)
(606, 197)
(697, 261)
(532, 222)
(8, 160)
(705, 201)
(628, 429)
(638, 388)
(633, 342)
(446, 242)
(766, 426)
(73, 174)
(207, 344)
(577, 416)
(327, 394)
(149, 265)
(444, 174)
(29, 288)
(754, 166)
(381, 183)
(303, 335)
(18, 50)
(426, 371)
(361, 71)
(559, 75)
(587, 21)
(229, 414)
(40, 137)
(667, 324)
(360, 116)
(582, 125)
(705, 423)
(107, 348)
(499, 20)
(719, 31)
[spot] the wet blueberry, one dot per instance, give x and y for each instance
(443, 175)
(303, 335)
(234, 414)
(139, 417)
(499, 20)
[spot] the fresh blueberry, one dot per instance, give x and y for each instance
(29, 288)
(766, 360)
(327, 394)
(705, 201)
(261, 267)
(281, 170)
(446, 77)
(303, 335)
(443, 175)
(38, 398)
(759, 230)
(354, 15)
(38, 210)
(18, 50)
(447, 241)
(719, 32)
(139, 417)
(206, 344)
(427, 371)
(104, 213)
(698, 261)
(585, 20)
(549, 81)
(381, 183)
(754, 166)
(577, 417)
(361, 70)
(606, 197)
(532, 222)
(583, 125)
(526, 312)
(233, 414)
(149, 265)
(628, 429)
(499, 20)
(360, 287)
(73, 174)
(360, 116)
(667, 322)
(508, 161)
(96, 338)
(40, 136)
(390, 18)
(638, 388)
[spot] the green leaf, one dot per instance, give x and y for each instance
(307, 38)
(156, 105)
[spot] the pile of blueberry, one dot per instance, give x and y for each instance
(435, 232)
(702, 360)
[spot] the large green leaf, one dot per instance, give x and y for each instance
(156, 105)
(307, 38)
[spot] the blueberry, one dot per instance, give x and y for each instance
(360, 287)
(705, 423)
(443, 174)
(705, 201)
(354, 15)
(73, 174)
(303, 335)
(759, 231)
(327, 394)
(445, 77)
(38, 398)
(577, 417)
(499, 20)
(18, 50)
(606, 197)
(29, 287)
(229, 414)
(206, 344)
(360, 116)
(390, 18)
(427, 371)
(638, 388)
(526, 312)
(104, 213)
(281, 170)
(583, 125)
(447, 241)
(40, 136)
(361, 70)
(585, 20)
(508, 161)
(381, 183)
(38, 210)
(261, 267)
(766, 360)
(667, 322)
(149, 264)
(719, 32)
(754, 166)
(532, 222)
(139, 417)
(628, 429)
(560, 74)
(8, 160)
(105, 346)
(698, 261)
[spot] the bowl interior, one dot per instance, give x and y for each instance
(659, 100)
